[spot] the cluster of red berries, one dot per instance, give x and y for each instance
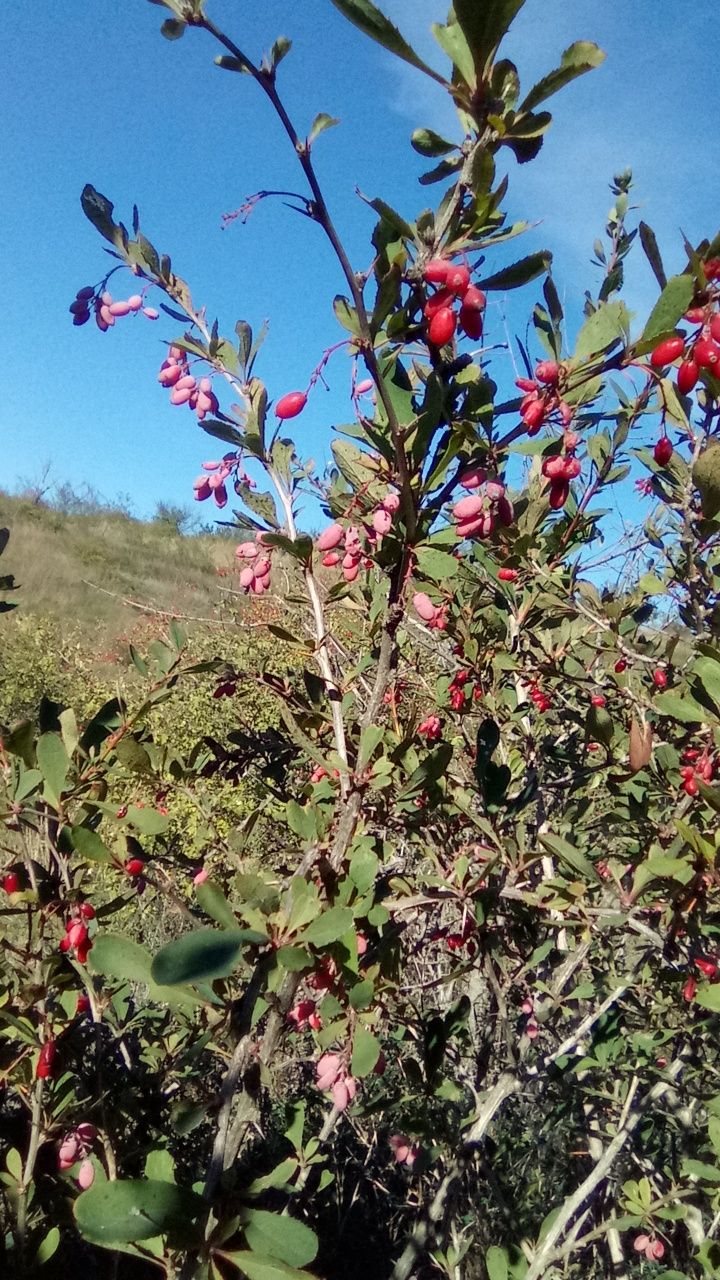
(698, 765)
(699, 350)
(458, 693)
(452, 286)
(106, 308)
(541, 700)
(77, 1145)
(430, 728)
(184, 388)
(561, 469)
(212, 484)
(542, 397)
(487, 503)
(255, 576)
(77, 940)
(320, 772)
(435, 615)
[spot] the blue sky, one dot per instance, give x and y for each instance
(92, 93)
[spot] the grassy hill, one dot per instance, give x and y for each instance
(82, 569)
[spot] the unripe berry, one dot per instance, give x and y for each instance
(667, 351)
(687, 376)
(119, 308)
(706, 354)
(381, 521)
(290, 405)
(663, 451)
(436, 271)
(442, 327)
(659, 678)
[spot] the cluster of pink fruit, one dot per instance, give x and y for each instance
(77, 1145)
(212, 483)
(304, 1014)
(331, 1075)
(561, 469)
(77, 939)
(354, 555)
(477, 515)
(435, 615)
(542, 396)
(697, 766)
(184, 388)
(699, 350)
(653, 1248)
(255, 575)
(431, 728)
(452, 286)
(404, 1149)
(106, 308)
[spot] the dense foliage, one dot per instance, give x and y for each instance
(454, 1013)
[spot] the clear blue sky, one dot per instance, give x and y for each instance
(90, 92)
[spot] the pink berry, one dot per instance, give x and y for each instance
(290, 405)
(423, 606)
(119, 308)
(151, 313)
(135, 302)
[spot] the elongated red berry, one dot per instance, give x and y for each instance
(659, 678)
(706, 354)
(458, 280)
(715, 327)
(46, 1061)
(667, 351)
(695, 315)
(290, 405)
(474, 298)
(508, 575)
(11, 883)
(620, 666)
(436, 271)
(533, 415)
(547, 371)
(663, 451)
(442, 327)
(687, 376)
(472, 322)
(559, 493)
(443, 298)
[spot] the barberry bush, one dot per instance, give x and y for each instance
(457, 1016)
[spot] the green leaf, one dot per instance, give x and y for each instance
(652, 253)
(147, 821)
(123, 1211)
(53, 763)
(670, 307)
(496, 1261)
(484, 25)
(89, 845)
(370, 738)
(279, 1236)
(519, 273)
(601, 330)
(321, 122)
(346, 314)
(301, 821)
(708, 996)
(199, 956)
(429, 143)
(435, 564)
(47, 1247)
(581, 56)
(366, 16)
(707, 671)
(681, 707)
(115, 956)
(365, 1054)
(99, 210)
(568, 854)
(697, 1169)
(214, 903)
(255, 1267)
(329, 927)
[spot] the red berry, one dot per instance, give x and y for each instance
(690, 787)
(442, 327)
(687, 376)
(667, 351)
(87, 911)
(620, 666)
(11, 883)
(714, 327)
(474, 298)
(83, 1004)
(458, 279)
(533, 415)
(708, 968)
(663, 451)
(597, 700)
(706, 354)
(547, 371)
(46, 1061)
(659, 678)
(443, 298)
(134, 866)
(436, 271)
(508, 575)
(559, 493)
(712, 269)
(472, 322)
(290, 405)
(695, 315)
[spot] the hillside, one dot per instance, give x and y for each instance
(83, 569)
